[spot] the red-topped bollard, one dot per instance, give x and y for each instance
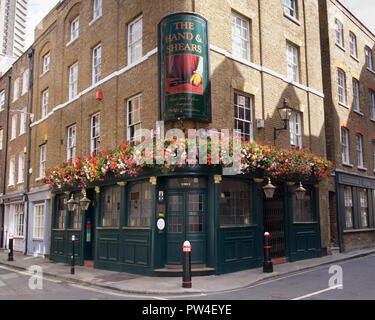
(267, 263)
(72, 271)
(10, 253)
(186, 265)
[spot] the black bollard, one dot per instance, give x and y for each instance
(10, 254)
(267, 263)
(186, 265)
(72, 257)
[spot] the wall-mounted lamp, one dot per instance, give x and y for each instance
(300, 192)
(84, 202)
(72, 204)
(285, 111)
(269, 189)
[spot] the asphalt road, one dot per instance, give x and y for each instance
(357, 283)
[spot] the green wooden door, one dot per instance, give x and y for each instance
(186, 211)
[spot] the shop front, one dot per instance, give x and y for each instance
(139, 225)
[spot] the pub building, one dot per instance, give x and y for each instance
(196, 78)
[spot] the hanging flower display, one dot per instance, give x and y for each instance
(127, 160)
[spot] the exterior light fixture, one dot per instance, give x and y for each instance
(72, 204)
(300, 192)
(84, 202)
(285, 112)
(269, 189)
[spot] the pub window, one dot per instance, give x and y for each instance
(364, 218)
(303, 209)
(111, 206)
(348, 201)
(140, 205)
(76, 222)
(61, 213)
(235, 204)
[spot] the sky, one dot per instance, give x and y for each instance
(364, 10)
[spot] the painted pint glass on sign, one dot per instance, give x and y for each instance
(184, 67)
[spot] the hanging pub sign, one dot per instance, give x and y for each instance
(184, 67)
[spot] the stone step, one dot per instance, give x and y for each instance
(177, 272)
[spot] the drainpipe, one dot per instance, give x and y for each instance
(3, 244)
(30, 55)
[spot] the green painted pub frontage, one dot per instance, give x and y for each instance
(139, 225)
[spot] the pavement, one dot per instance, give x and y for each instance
(137, 284)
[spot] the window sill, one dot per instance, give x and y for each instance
(372, 71)
(94, 20)
(355, 58)
(293, 19)
(37, 239)
(359, 230)
(340, 46)
(45, 72)
(348, 165)
(362, 168)
(71, 41)
(359, 113)
(344, 105)
(20, 182)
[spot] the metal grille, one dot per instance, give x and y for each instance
(273, 221)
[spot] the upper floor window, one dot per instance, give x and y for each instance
(368, 54)
(71, 143)
(25, 81)
(345, 145)
(12, 165)
(373, 154)
(134, 122)
(23, 122)
(45, 97)
(73, 81)
(372, 104)
(42, 160)
(243, 115)
(97, 9)
(339, 33)
(14, 127)
(295, 124)
(16, 89)
(21, 167)
(341, 83)
(353, 44)
(240, 37)
(359, 138)
(95, 134)
(46, 61)
(290, 8)
(135, 40)
(356, 105)
(292, 57)
(74, 29)
(2, 100)
(2, 136)
(96, 63)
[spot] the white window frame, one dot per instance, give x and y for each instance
(23, 122)
(133, 117)
(97, 9)
(71, 142)
(353, 45)
(12, 169)
(21, 168)
(373, 155)
(42, 160)
(19, 220)
(341, 83)
(345, 145)
(2, 100)
(359, 148)
(46, 62)
(25, 82)
(38, 225)
(96, 63)
(1, 138)
(339, 31)
(95, 133)
(356, 103)
(295, 127)
(290, 8)
(73, 81)
(74, 29)
(372, 104)
(135, 42)
(243, 105)
(14, 127)
(292, 58)
(45, 99)
(241, 37)
(369, 61)
(16, 89)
